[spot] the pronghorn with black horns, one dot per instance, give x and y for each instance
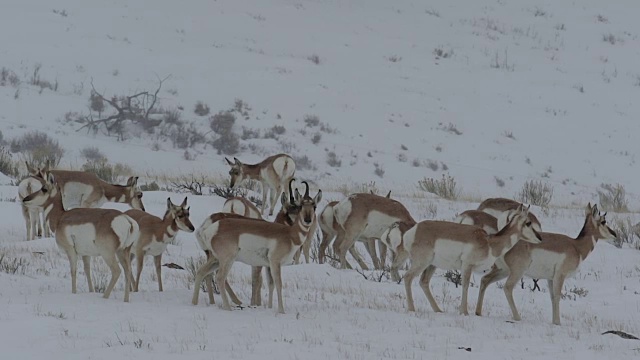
(85, 232)
(256, 243)
(273, 173)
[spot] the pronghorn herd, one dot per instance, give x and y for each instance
(501, 238)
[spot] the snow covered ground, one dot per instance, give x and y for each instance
(493, 93)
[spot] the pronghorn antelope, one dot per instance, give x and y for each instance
(273, 173)
(502, 209)
(329, 228)
(86, 190)
(365, 217)
(255, 243)
(157, 233)
(481, 219)
(555, 259)
(32, 218)
(451, 246)
(286, 216)
(88, 232)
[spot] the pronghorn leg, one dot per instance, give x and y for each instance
(221, 279)
(73, 262)
(158, 261)
(205, 270)
(139, 265)
(511, 283)
(496, 274)
(398, 261)
(35, 214)
(466, 278)
(274, 193)
(345, 240)
(424, 284)
(45, 226)
(415, 269)
(86, 261)
(383, 254)
(209, 284)
(112, 262)
(265, 188)
(26, 215)
(276, 273)
(256, 285)
(125, 261)
(326, 238)
(370, 245)
(270, 283)
(558, 281)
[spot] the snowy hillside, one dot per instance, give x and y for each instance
(364, 94)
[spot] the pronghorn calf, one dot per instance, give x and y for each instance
(555, 259)
(88, 232)
(256, 243)
(365, 217)
(502, 209)
(481, 219)
(273, 173)
(86, 190)
(32, 218)
(157, 233)
(446, 245)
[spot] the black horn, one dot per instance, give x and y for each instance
(306, 190)
(292, 199)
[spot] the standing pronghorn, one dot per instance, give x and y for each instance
(273, 173)
(256, 243)
(329, 228)
(365, 217)
(502, 209)
(86, 190)
(157, 233)
(555, 259)
(451, 246)
(32, 217)
(286, 216)
(88, 232)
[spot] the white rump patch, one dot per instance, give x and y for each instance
(342, 210)
(279, 164)
(205, 232)
(75, 193)
(126, 229)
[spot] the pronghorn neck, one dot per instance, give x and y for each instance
(53, 211)
(252, 171)
(169, 224)
(502, 242)
(586, 240)
(117, 193)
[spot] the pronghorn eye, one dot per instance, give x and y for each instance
(528, 223)
(44, 190)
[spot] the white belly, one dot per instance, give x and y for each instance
(83, 239)
(254, 251)
(448, 254)
(544, 264)
(377, 223)
(155, 248)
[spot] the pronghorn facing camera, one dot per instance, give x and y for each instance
(555, 259)
(502, 209)
(86, 190)
(157, 233)
(481, 219)
(32, 217)
(273, 173)
(451, 246)
(365, 217)
(88, 232)
(256, 243)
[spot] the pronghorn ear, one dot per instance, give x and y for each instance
(131, 181)
(318, 197)
(237, 161)
(283, 199)
(51, 179)
(228, 161)
(588, 209)
(30, 170)
(389, 195)
(184, 202)
(297, 197)
(45, 169)
(371, 192)
(594, 210)
(169, 203)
